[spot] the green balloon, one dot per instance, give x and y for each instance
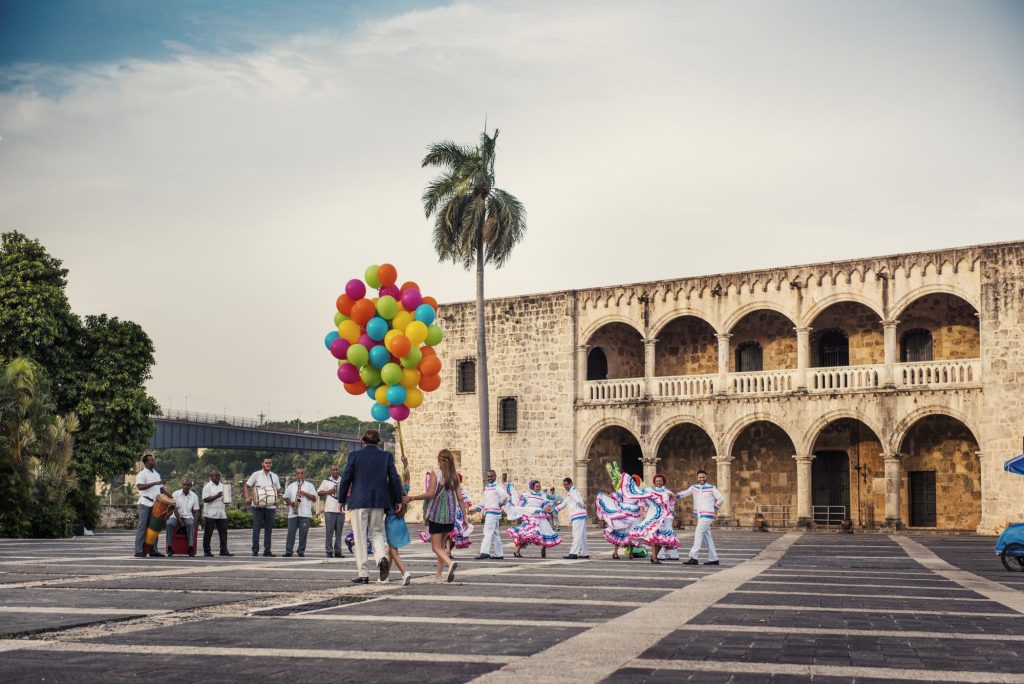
(391, 373)
(434, 334)
(338, 318)
(387, 307)
(412, 359)
(357, 355)
(370, 376)
(370, 276)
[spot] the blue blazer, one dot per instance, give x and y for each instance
(370, 480)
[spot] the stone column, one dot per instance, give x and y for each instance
(892, 491)
(803, 356)
(804, 510)
(723, 363)
(649, 365)
(891, 355)
(650, 468)
(724, 484)
(581, 372)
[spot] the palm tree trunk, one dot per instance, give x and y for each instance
(481, 354)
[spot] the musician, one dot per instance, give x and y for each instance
(265, 483)
(334, 518)
(214, 514)
(149, 484)
(186, 513)
(299, 496)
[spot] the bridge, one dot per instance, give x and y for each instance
(191, 430)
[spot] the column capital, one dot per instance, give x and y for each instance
(724, 337)
(582, 461)
(650, 341)
(723, 459)
(890, 322)
(803, 458)
(803, 330)
(891, 457)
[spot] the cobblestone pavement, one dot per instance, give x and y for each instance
(781, 607)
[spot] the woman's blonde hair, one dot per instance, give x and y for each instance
(449, 475)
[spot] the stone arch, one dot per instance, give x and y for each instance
(596, 429)
(666, 427)
(917, 293)
(684, 446)
(728, 441)
(623, 347)
(739, 314)
(814, 430)
(903, 427)
(658, 325)
(763, 472)
(848, 460)
(591, 329)
(610, 441)
(808, 317)
(772, 329)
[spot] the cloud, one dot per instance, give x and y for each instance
(222, 200)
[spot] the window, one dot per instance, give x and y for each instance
(916, 345)
(749, 358)
(597, 364)
(833, 348)
(465, 381)
(508, 414)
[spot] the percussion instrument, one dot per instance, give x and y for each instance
(264, 497)
(163, 508)
(227, 494)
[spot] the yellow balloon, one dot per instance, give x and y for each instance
(381, 395)
(413, 397)
(416, 332)
(401, 320)
(349, 330)
(410, 378)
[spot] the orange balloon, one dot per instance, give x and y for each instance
(344, 305)
(408, 285)
(355, 388)
(430, 365)
(431, 301)
(387, 274)
(428, 351)
(429, 383)
(363, 311)
(400, 345)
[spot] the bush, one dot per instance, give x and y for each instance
(86, 504)
(54, 521)
(16, 502)
(242, 520)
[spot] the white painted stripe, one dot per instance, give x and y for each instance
(898, 574)
(1011, 598)
(462, 598)
(766, 669)
(581, 587)
(348, 617)
(802, 592)
(887, 611)
(250, 653)
(667, 576)
(874, 585)
(879, 633)
(51, 610)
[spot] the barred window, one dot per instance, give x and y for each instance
(916, 345)
(465, 381)
(508, 414)
(749, 357)
(833, 348)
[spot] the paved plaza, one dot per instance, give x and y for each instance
(790, 607)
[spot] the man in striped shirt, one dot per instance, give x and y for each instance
(573, 501)
(706, 502)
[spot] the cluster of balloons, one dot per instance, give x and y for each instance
(385, 344)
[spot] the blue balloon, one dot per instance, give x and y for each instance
(372, 392)
(377, 328)
(379, 411)
(425, 314)
(379, 356)
(396, 395)
(331, 336)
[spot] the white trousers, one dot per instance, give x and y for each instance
(579, 538)
(491, 543)
(671, 554)
(703, 533)
(367, 521)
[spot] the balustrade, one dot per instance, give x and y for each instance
(615, 390)
(684, 386)
(845, 378)
(956, 372)
(763, 382)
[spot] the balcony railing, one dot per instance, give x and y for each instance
(819, 380)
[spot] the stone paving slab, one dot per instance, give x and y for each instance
(777, 585)
(973, 554)
(859, 602)
(21, 624)
(57, 598)
(185, 583)
(638, 675)
(519, 610)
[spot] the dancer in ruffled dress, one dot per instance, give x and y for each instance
(536, 510)
(619, 511)
(655, 529)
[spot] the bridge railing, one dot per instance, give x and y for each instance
(243, 422)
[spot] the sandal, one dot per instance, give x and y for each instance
(516, 554)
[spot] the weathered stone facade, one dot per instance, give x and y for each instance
(886, 441)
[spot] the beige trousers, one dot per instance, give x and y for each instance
(367, 522)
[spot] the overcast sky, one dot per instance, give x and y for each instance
(217, 171)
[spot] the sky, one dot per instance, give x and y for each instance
(217, 171)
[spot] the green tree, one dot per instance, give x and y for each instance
(475, 223)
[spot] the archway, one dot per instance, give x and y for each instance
(623, 350)
(686, 346)
(685, 449)
(613, 444)
(848, 472)
(940, 475)
(769, 330)
(949, 322)
(847, 334)
(763, 475)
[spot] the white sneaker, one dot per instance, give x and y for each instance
(406, 578)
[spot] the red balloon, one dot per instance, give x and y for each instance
(400, 345)
(431, 301)
(430, 365)
(363, 311)
(428, 351)
(344, 305)
(408, 285)
(387, 274)
(355, 388)
(429, 383)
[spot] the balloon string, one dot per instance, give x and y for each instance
(401, 444)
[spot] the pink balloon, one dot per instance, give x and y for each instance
(348, 373)
(339, 348)
(411, 298)
(355, 289)
(400, 412)
(365, 340)
(390, 290)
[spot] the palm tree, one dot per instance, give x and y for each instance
(474, 223)
(18, 390)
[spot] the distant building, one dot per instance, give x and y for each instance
(888, 390)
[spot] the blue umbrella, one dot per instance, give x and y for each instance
(1015, 465)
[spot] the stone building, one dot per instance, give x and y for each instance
(886, 390)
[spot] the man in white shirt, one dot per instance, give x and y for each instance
(261, 492)
(334, 518)
(706, 502)
(149, 484)
(573, 501)
(299, 496)
(214, 514)
(186, 512)
(494, 497)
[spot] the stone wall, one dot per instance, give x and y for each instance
(686, 346)
(685, 450)
(763, 471)
(952, 322)
(863, 329)
(624, 349)
(773, 331)
(946, 446)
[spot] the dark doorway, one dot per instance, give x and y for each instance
(830, 487)
(833, 349)
(597, 364)
(632, 459)
(922, 498)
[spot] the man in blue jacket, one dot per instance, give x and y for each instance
(369, 486)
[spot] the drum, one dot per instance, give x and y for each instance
(227, 493)
(264, 497)
(163, 508)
